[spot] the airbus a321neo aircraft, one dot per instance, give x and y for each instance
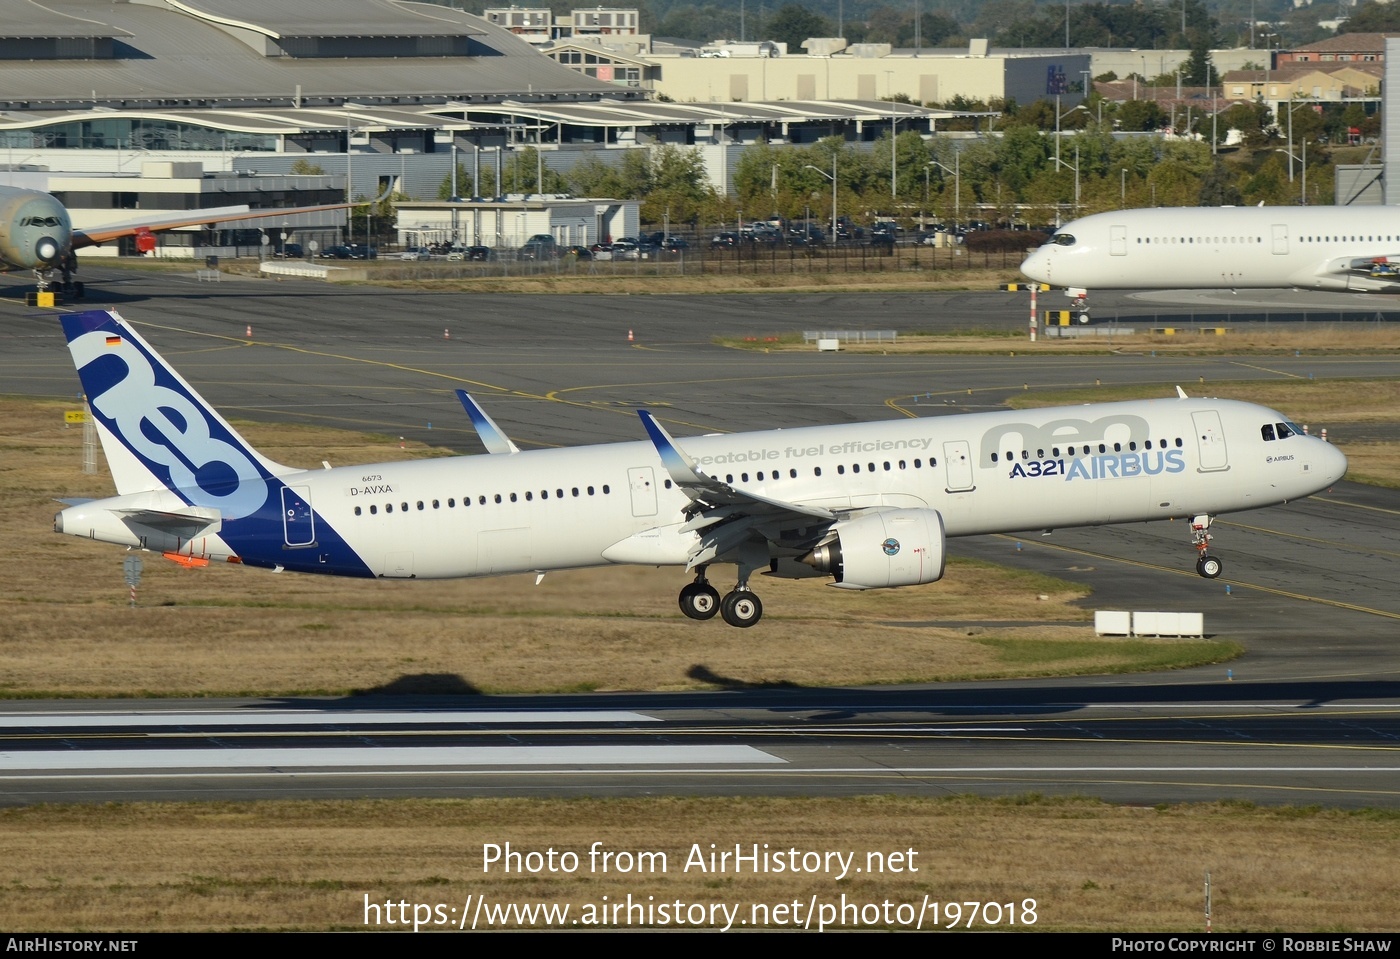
(869, 505)
(37, 234)
(1189, 248)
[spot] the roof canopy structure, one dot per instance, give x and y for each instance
(65, 54)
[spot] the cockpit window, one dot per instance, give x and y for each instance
(1267, 431)
(1286, 430)
(1063, 239)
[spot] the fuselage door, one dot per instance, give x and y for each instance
(643, 483)
(1118, 241)
(957, 456)
(298, 522)
(1210, 441)
(1280, 239)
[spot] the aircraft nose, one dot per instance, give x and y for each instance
(1334, 464)
(1037, 266)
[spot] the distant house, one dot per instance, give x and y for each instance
(1343, 48)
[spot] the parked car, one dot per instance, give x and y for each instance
(721, 240)
(626, 248)
(578, 252)
(291, 251)
(667, 242)
(541, 246)
(415, 253)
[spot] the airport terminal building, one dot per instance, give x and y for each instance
(100, 87)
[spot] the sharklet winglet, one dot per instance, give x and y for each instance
(492, 436)
(680, 467)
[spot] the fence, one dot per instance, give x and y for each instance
(746, 259)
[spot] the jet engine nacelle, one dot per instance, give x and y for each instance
(898, 547)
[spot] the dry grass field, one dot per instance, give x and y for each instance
(313, 865)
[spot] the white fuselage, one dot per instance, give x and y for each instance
(588, 506)
(1324, 248)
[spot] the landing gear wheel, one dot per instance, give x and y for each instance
(741, 608)
(699, 600)
(1209, 566)
(1082, 318)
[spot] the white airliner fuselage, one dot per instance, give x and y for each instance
(868, 504)
(1310, 247)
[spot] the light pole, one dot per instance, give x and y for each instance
(957, 183)
(1303, 161)
(1075, 167)
(1291, 109)
(1060, 116)
(832, 177)
(1123, 188)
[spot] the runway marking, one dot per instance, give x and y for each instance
(1335, 603)
(1310, 539)
(1265, 369)
(429, 757)
(1374, 509)
(318, 718)
(786, 771)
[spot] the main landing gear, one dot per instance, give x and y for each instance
(740, 607)
(1206, 565)
(59, 278)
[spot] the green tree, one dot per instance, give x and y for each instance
(464, 184)
(1218, 188)
(1198, 71)
(304, 167)
(679, 185)
(592, 177)
(793, 24)
(1369, 16)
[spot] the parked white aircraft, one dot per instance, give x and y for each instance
(867, 504)
(1310, 247)
(37, 234)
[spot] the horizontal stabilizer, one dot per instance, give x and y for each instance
(187, 523)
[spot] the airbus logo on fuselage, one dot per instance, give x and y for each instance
(169, 433)
(1105, 466)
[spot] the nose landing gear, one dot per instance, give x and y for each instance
(1206, 565)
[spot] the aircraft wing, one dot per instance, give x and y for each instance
(726, 518)
(227, 214)
(1384, 267)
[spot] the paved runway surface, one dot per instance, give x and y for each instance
(1309, 714)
